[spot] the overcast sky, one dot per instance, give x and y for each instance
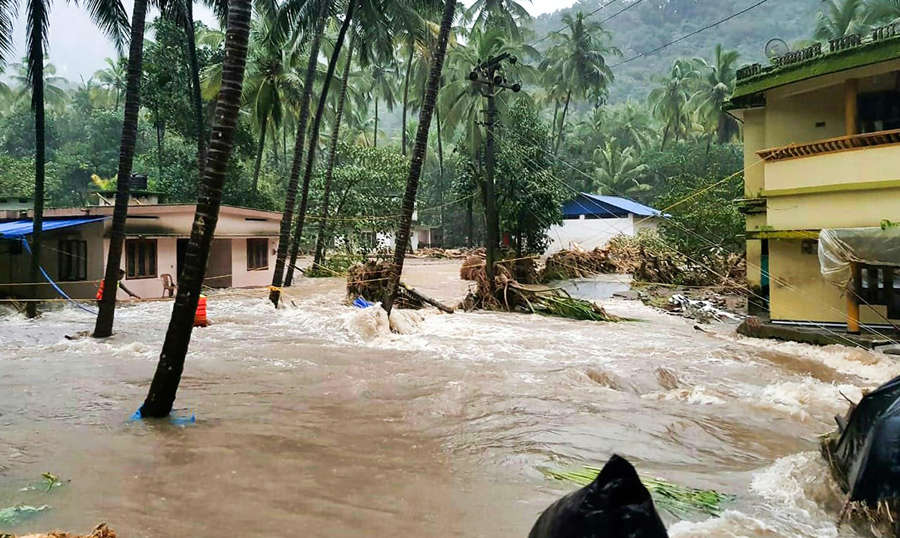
(77, 49)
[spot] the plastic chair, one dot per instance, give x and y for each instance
(168, 285)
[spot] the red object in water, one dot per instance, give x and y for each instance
(200, 316)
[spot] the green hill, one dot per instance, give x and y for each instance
(653, 23)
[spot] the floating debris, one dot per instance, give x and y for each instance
(100, 531)
(15, 514)
(680, 501)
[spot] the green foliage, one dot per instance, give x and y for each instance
(704, 217)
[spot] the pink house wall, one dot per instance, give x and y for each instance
(240, 276)
(166, 260)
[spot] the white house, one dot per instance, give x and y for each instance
(591, 220)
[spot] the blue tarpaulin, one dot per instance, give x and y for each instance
(606, 207)
(18, 229)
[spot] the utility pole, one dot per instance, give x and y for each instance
(489, 75)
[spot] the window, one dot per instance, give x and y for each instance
(879, 285)
(140, 258)
(72, 260)
(257, 254)
(879, 111)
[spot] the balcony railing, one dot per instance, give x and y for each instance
(831, 145)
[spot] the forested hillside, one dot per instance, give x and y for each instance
(653, 23)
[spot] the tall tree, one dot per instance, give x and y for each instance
(314, 141)
(507, 16)
(107, 311)
(287, 218)
(670, 100)
(418, 155)
(715, 84)
(882, 11)
(110, 16)
(578, 61)
(114, 78)
(618, 171)
(164, 387)
(322, 237)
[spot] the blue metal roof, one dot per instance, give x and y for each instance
(606, 207)
(20, 228)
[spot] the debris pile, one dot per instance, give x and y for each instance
(100, 531)
(701, 310)
(648, 259)
(511, 294)
(370, 281)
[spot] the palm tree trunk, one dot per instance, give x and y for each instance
(375, 131)
(259, 153)
(105, 318)
(406, 95)
(562, 123)
(555, 112)
(36, 70)
(332, 154)
(314, 141)
(287, 218)
(196, 100)
(159, 124)
(470, 222)
(162, 391)
(440, 145)
(418, 155)
(665, 137)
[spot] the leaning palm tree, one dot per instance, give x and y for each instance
(164, 387)
(418, 154)
(319, 16)
(314, 140)
(110, 16)
(321, 239)
(839, 18)
(106, 315)
(715, 84)
(578, 61)
(618, 171)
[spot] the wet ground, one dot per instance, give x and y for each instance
(315, 421)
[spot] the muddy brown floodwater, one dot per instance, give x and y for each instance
(315, 421)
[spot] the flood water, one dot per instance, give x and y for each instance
(314, 420)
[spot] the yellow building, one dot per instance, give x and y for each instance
(821, 150)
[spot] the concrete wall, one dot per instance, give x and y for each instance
(241, 277)
(799, 293)
(834, 210)
(860, 165)
(588, 233)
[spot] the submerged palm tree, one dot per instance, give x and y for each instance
(418, 154)
(164, 387)
(106, 315)
(110, 16)
(839, 18)
(319, 14)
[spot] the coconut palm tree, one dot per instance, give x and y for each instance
(110, 17)
(418, 155)
(507, 16)
(839, 18)
(715, 85)
(670, 100)
(882, 11)
(113, 77)
(318, 14)
(55, 95)
(164, 387)
(383, 87)
(578, 60)
(314, 140)
(618, 171)
(106, 315)
(319, 257)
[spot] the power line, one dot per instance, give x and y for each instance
(689, 35)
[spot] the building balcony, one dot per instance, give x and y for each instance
(847, 181)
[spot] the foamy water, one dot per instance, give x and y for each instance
(318, 416)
